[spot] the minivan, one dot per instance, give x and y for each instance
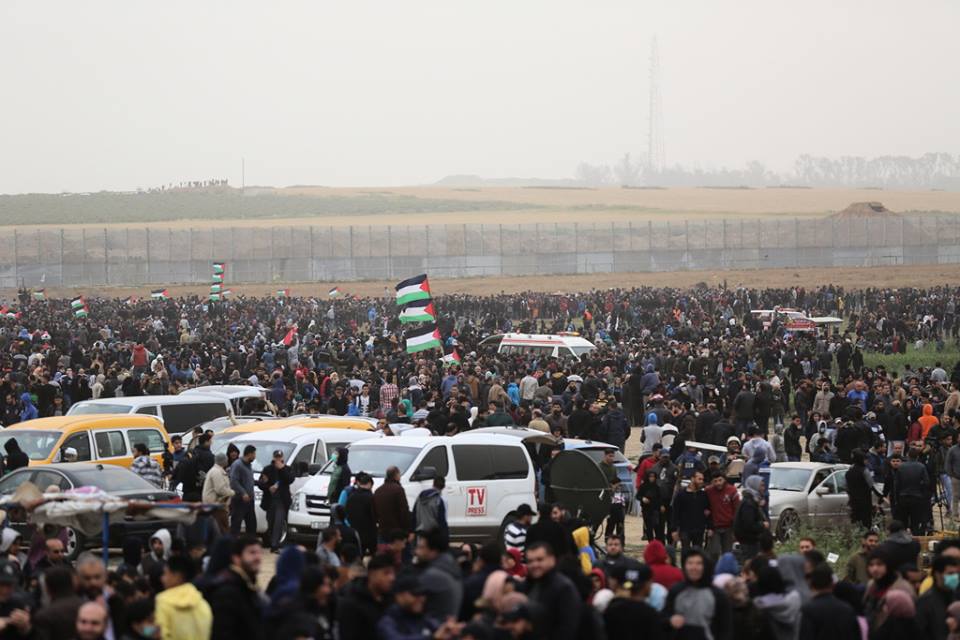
(487, 478)
(563, 346)
(179, 413)
(305, 450)
(96, 438)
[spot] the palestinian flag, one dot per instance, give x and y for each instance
(451, 358)
(81, 312)
(218, 277)
(40, 294)
(7, 312)
(283, 293)
(215, 297)
(226, 292)
(218, 268)
(333, 293)
(159, 294)
(216, 288)
(422, 339)
(420, 311)
(412, 289)
(131, 300)
(78, 303)
(290, 337)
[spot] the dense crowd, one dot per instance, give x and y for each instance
(672, 367)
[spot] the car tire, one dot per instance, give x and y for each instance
(787, 523)
(76, 544)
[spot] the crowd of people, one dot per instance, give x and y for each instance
(671, 368)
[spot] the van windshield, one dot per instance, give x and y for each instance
(579, 351)
(265, 451)
(89, 409)
(376, 460)
(36, 444)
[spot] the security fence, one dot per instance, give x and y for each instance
(34, 256)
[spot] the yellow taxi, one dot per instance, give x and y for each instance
(105, 438)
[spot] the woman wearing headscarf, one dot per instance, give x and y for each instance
(899, 610)
(513, 563)
(883, 580)
(650, 505)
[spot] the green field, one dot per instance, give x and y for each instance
(927, 357)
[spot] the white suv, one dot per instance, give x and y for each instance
(487, 478)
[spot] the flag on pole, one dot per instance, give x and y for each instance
(216, 288)
(7, 312)
(226, 292)
(283, 293)
(159, 294)
(40, 294)
(214, 297)
(333, 293)
(290, 337)
(412, 289)
(218, 277)
(81, 312)
(218, 268)
(420, 311)
(451, 358)
(78, 303)
(425, 338)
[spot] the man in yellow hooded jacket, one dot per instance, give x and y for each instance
(181, 612)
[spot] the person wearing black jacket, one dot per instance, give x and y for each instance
(706, 422)
(826, 617)
(791, 440)
(550, 530)
(360, 513)
(366, 599)
(193, 471)
(275, 481)
(691, 514)
(578, 425)
(913, 486)
(233, 595)
(932, 606)
(16, 458)
(628, 613)
(554, 598)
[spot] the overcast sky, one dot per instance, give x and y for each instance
(121, 94)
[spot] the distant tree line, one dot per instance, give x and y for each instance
(929, 171)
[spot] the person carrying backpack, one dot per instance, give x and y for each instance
(430, 510)
(614, 428)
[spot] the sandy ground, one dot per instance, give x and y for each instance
(900, 276)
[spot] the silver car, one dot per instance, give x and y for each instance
(811, 493)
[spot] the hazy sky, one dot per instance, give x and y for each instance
(122, 94)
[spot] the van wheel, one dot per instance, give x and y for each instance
(76, 542)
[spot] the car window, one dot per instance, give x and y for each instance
(110, 444)
(436, 458)
(150, 437)
(509, 463)
(81, 443)
(819, 477)
(840, 478)
(303, 455)
(46, 479)
(149, 410)
(178, 418)
(831, 485)
(473, 462)
(10, 483)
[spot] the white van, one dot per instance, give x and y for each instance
(567, 345)
(179, 413)
(487, 478)
(235, 393)
(305, 449)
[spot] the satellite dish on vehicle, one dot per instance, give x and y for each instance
(578, 482)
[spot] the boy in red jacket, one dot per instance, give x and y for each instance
(724, 500)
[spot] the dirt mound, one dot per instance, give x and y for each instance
(864, 210)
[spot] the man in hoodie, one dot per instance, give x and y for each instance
(181, 612)
(927, 420)
(27, 410)
(614, 427)
(649, 382)
(780, 604)
(441, 576)
(826, 617)
(651, 434)
(695, 607)
(430, 510)
(364, 600)
(665, 574)
(155, 560)
(667, 475)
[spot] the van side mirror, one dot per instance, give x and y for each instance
(301, 469)
(424, 473)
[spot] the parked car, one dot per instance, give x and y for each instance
(115, 480)
(811, 493)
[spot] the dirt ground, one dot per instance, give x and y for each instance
(899, 276)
